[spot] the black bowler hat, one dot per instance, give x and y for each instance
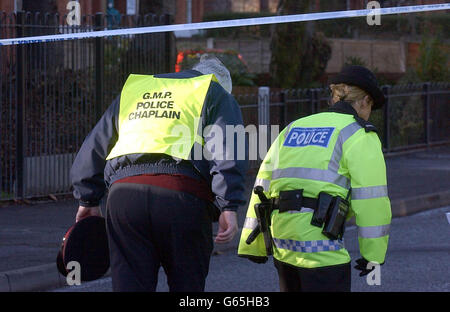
(363, 78)
(87, 243)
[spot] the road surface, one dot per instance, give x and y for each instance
(418, 260)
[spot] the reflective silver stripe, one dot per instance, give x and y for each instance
(343, 136)
(263, 182)
(308, 246)
(312, 174)
(369, 192)
(373, 231)
(250, 223)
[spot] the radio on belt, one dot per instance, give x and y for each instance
(333, 212)
(335, 225)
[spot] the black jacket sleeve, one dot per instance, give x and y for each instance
(228, 148)
(87, 172)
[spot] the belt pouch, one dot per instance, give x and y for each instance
(290, 200)
(334, 226)
(320, 213)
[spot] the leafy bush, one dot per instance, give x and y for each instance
(299, 55)
(354, 60)
(432, 64)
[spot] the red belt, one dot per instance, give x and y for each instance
(174, 182)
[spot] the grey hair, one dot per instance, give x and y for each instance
(209, 64)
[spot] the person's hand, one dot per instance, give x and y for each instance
(84, 212)
(361, 264)
(227, 227)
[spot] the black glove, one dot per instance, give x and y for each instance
(361, 264)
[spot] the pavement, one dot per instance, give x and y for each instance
(417, 260)
(31, 233)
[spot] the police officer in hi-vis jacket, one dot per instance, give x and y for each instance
(319, 172)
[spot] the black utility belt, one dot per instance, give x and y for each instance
(294, 200)
(329, 211)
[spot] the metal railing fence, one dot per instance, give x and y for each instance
(51, 94)
(415, 115)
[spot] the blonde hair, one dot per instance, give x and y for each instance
(344, 92)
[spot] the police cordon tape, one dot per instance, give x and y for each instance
(230, 23)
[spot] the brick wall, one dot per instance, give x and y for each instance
(7, 6)
(198, 9)
(385, 56)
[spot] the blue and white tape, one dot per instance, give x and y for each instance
(229, 23)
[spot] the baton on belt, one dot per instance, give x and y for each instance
(263, 212)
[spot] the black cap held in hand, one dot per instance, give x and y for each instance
(87, 243)
(363, 78)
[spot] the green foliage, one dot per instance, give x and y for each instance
(63, 99)
(6, 195)
(318, 53)
(410, 76)
(354, 60)
(432, 63)
(405, 119)
(405, 112)
(299, 58)
(408, 122)
(286, 54)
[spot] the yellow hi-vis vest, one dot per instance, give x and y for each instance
(326, 152)
(160, 115)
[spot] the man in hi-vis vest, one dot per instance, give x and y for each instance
(159, 150)
(320, 171)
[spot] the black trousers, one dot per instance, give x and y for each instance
(335, 278)
(149, 227)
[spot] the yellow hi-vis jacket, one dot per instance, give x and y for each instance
(326, 152)
(160, 115)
